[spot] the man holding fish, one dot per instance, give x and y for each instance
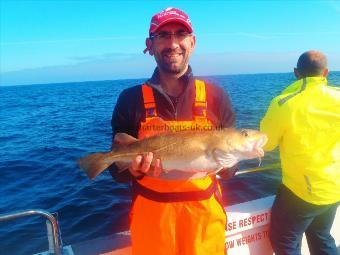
(171, 132)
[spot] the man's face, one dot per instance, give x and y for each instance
(172, 46)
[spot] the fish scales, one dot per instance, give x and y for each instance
(189, 151)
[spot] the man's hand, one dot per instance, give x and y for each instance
(142, 165)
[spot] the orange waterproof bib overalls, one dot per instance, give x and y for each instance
(176, 217)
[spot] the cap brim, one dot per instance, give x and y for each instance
(173, 20)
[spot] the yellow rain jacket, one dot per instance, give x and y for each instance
(304, 121)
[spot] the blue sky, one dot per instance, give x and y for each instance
(63, 41)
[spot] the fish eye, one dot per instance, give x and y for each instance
(244, 132)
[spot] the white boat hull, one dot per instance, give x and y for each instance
(246, 233)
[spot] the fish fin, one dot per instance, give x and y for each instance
(122, 166)
(94, 164)
(123, 139)
(224, 159)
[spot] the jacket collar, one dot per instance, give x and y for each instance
(316, 80)
(305, 83)
(154, 82)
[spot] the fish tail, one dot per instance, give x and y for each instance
(94, 164)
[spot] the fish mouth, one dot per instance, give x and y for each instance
(262, 141)
(257, 149)
(259, 152)
(259, 144)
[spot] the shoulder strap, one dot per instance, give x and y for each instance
(200, 109)
(149, 101)
(200, 99)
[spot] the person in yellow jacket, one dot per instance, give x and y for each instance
(173, 213)
(304, 121)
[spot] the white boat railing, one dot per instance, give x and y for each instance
(57, 242)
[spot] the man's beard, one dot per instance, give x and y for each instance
(169, 67)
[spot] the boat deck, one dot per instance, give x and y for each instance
(237, 239)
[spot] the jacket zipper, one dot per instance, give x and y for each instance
(168, 99)
(177, 100)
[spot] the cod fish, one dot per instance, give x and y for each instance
(189, 151)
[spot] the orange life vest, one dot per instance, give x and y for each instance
(154, 125)
(171, 217)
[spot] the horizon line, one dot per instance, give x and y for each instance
(144, 78)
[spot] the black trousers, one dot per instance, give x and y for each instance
(292, 216)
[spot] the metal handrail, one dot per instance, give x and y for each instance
(55, 229)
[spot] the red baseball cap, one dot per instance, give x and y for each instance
(168, 15)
